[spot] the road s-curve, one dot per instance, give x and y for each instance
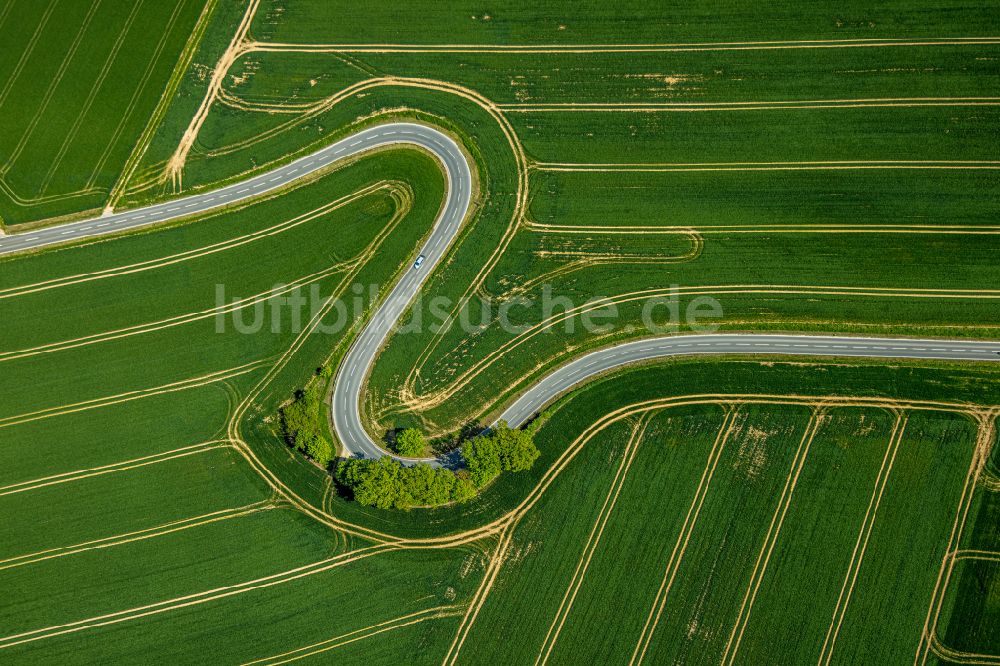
(350, 378)
(367, 139)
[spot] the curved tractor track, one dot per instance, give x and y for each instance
(350, 380)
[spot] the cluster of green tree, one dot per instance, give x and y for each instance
(387, 484)
(303, 426)
(501, 449)
(408, 442)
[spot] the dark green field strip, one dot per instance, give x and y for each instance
(45, 49)
(732, 267)
(974, 602)
(595, 22)
(62, 147)
(918, 133)
(892, 261)
(293, 78)
(984, 516)
(233, 143)
(121, 435)
(516, 616)
(818, 544)
(701, 77)
(265, 622)
(707, 199)
(908, 541)
(18, 29)
(746, 493)
(114, 504)
(69, 132)
(643, 538)
(205, 557)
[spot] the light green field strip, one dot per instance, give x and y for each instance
(350, 637)
(97, 403)
(68, 477)
(839, 492)
(755, 473)
(53, 84)
(593, 540)
(630, 557)
(187, 601)
(91, 97)
(158, 114)
(548, 558)
(94, 508)
(289, 613)
(137, 535)
(103, 439)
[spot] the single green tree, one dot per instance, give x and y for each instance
(410, 442)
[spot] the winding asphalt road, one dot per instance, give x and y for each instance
(351, 375)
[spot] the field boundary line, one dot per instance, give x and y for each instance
(169, 92)
(699, 229)
(773, 532)
(984, 442)
(861, 543)
(435, 613)
(139, 535)
(594, 539)
(809, 165)
(79, 475)
(623, 48)
(730, 421)
(128, 396)
(195, 599)
(791, 105)
(5, 12)
(976, 554)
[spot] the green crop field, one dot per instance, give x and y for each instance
(79, 84)
(795, 168)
